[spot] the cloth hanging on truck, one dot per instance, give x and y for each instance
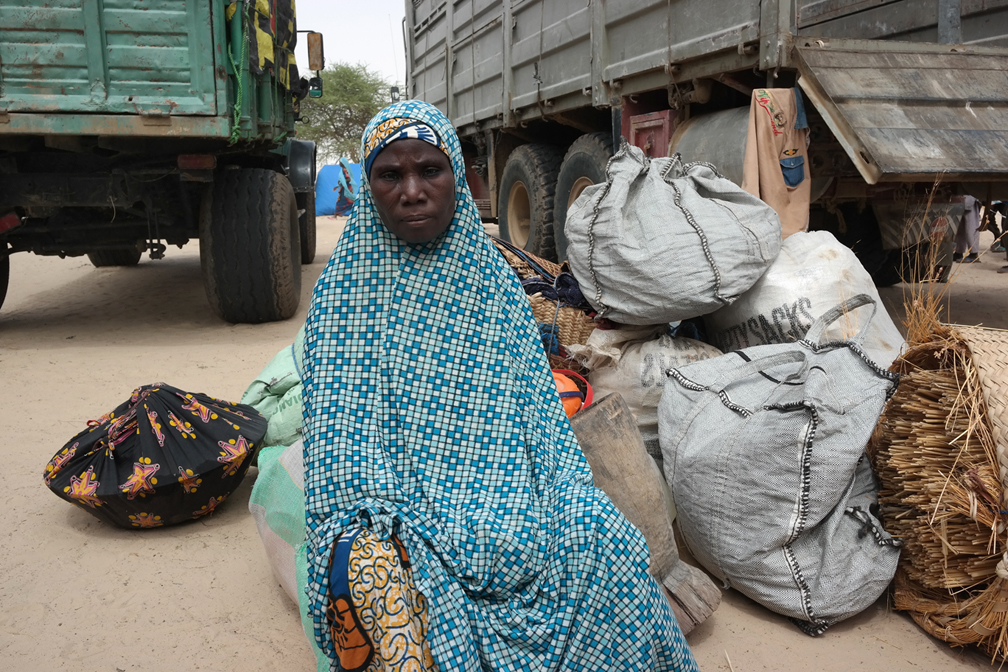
(776, 156)
(271, 28)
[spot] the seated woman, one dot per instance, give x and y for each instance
(452, 521)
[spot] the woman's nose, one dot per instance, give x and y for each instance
(413, 188)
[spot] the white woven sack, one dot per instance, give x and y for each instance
(661, 241)
(277, 505)
(812, 273)
(632, 361)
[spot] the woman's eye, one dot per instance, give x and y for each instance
(389, 176)
(432, 171)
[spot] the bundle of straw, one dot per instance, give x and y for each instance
(941, 453)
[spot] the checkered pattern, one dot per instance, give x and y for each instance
(430, 412)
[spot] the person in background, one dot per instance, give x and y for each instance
(967, 241)
(997, 210)
(452, 519)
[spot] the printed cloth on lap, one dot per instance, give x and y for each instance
(431, 414)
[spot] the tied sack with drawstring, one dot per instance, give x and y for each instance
(660, 241)
(764, 451)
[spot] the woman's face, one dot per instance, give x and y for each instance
(414, 190)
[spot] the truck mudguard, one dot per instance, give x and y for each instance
(300, 165)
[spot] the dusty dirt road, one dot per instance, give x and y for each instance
(77, 594)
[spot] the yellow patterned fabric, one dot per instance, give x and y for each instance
(397, 129)
(273, 25)
(380, 624)
(382, 131)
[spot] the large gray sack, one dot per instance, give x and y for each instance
(764, 451)
(661, 241)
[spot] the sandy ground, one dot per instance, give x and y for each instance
(77, 594)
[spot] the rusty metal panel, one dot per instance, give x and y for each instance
(107, 56)
(652, 132)
(316, 54)
(173, 126)
(908, 111)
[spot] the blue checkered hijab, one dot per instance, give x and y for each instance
(430, 413)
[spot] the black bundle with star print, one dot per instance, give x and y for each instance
(163, 457)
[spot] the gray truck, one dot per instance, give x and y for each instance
(127, 126)
(900, 94)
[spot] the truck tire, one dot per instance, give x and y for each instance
(126, 256)
(584, 165)
(250, 246)
(4, 275)
(306, 223)
(525, 200)
(861, 234)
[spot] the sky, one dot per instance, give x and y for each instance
(356, 31)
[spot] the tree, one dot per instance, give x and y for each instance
(351, 95)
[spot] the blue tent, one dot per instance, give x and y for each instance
(336, 188)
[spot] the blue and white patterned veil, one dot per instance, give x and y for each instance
(430, 413)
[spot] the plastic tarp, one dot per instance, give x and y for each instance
(336, 188)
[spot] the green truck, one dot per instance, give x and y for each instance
(127, 126)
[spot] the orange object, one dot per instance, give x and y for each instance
(571, 394)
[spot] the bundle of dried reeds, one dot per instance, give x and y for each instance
(941, 453)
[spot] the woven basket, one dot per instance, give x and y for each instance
(521, 265)
(573, 324)
(941, 453)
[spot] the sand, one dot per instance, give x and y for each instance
(78, 594)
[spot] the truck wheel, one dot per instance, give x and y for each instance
(584, 165)
(861, 234)
(525, 200)
(4, 275)
(306, 223)
(250, 246)
(126, 256)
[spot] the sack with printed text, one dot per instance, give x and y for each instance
(812, 273)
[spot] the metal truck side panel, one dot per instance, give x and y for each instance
(490, 64)
(429, 46)
(550, 51)
(107, 57)
(505, 62)
(477, 52)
